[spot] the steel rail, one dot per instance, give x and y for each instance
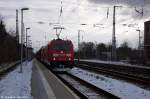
(77, 84)
(8, 67)
(132, 77)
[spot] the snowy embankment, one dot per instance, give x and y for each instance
(17, 85)
(119, 88)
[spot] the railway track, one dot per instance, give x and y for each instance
(8, 67)
(85, 89)
(137, 78)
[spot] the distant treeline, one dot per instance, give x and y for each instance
(89, 50)
(9, 47)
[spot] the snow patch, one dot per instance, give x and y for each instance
(114, 63)
(17, 85)
(119, 88)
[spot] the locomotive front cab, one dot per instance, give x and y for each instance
(61, 52)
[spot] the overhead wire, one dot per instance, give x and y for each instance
(91, 6)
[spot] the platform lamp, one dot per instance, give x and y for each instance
(23, 9)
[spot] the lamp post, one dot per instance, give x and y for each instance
(23, 9)
(139, 45)
(27, 43)
(29, 47)
(79, 31)
(79, 45)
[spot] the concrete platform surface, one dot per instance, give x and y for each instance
(45, 85)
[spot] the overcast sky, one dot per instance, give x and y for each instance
(76, 12)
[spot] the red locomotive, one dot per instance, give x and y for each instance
(58, 53)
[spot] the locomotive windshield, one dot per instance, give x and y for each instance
(61, 46)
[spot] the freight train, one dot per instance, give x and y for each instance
(57, 53)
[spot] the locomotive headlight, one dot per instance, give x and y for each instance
(69, 58)
(68, 55)
(54, 58)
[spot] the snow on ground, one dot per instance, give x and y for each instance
(106, 62)
(16, 85)
(120, 88)
(115, 63)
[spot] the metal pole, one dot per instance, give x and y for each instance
(22, 36)
(21, 40)
(17, 31)
(113, 35)
(96, 52)
(27, 43)
(30, 53)
(139, 40)
(139, 45)
(78, 45)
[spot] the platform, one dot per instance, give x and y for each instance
(45, 85)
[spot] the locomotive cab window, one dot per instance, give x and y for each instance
(61, 46)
